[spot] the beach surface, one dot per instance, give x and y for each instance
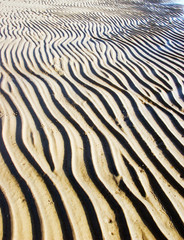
(91, 120)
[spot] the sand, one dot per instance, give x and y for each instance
(91, 120)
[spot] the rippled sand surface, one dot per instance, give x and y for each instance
(91, 120)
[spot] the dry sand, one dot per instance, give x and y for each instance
(91, 120)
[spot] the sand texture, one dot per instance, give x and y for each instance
(91, 120)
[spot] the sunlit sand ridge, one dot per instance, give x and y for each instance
(91, 120)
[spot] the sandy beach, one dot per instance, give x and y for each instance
(91, 120)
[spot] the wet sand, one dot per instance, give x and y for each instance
(91, 120)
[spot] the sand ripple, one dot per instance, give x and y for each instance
(91, 120)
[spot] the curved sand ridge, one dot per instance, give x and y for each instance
(91, 119)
